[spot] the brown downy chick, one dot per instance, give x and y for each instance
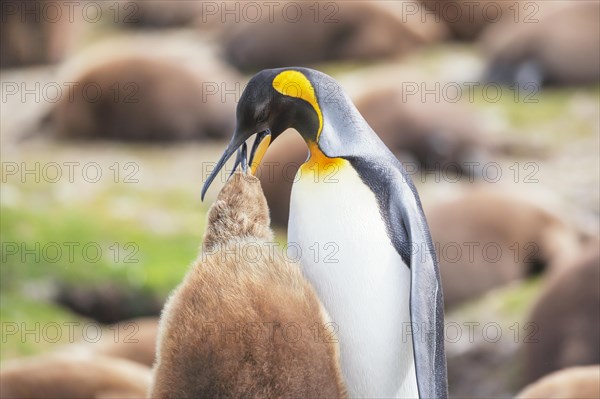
(239, 213)
(244, 322)
(573, 383)
(566, 318)
(133, 339)
(68, 375)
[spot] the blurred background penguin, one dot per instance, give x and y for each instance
(114, 113)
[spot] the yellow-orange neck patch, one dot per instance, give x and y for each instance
(319, 166)
(294, 84)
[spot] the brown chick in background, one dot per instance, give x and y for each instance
(68, 375)
(133, 340)
(558, 45)
(332, 31)
(573, 383)
(139, 98)
(489, 238)
(566, 319)
(39, 32)
(244, 322)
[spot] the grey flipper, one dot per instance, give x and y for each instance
(407, 228)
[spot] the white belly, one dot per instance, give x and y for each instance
(360, 278)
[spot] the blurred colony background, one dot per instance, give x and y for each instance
(113, 113)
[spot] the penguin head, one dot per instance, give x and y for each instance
(273, 101)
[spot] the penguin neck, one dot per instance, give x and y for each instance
(343, 133)
(319, 165)
(346, 134)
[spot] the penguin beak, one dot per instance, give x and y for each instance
(259, 148)
(261, 143)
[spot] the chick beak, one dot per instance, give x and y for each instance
(237, 142)
(241, 160)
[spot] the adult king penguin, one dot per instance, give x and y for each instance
(364, 241)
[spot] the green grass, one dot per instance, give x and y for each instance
(135, 251)
(549, 111)
(29, 326)
(128, 250)
(518, 300)
(506, 305)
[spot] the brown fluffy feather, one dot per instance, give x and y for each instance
(243, 322)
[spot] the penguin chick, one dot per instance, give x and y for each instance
(160, 14)
(28, 38)
(357, 31)
(549, 51)
(133, 340)
(239, 212)
(227, 329)
(574, 383)
(108, 303)
(466, 19)
(529, 240)
(435, 134)
(68, 375)
(566, 319)
(139, 98)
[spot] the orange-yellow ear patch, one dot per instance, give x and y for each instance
(294, 84)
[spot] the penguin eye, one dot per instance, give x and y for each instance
(263, 114)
